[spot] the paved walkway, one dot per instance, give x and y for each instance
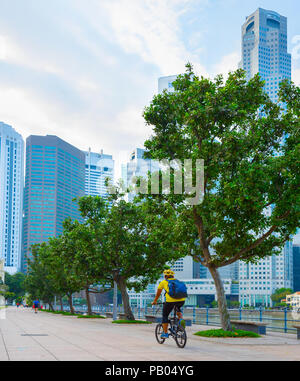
(43, 336)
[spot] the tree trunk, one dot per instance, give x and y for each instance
(125, 298)
(222, 305)
(88, 300)
(71, 304)
(61, 303)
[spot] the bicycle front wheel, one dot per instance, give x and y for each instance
(158, 332)
(180, 337)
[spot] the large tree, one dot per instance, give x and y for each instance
(251, 159)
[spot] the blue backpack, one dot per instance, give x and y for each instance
(177, 289)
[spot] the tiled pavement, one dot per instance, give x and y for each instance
(28, 336)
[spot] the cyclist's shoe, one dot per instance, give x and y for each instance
(182, 323)
(164, 336)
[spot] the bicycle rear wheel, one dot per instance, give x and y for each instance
(180, 337)
(158, 331)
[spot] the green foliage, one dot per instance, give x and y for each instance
(9, 296)
(38, 283)
(66, 313)
(124, 247)
(222, 333)
(280, 294)
(15, 283)
(248, 165)
(233, 304)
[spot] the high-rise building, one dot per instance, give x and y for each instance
(296, 267)
(55, 173)
(258, 281)
(264, 51)
(137, 167)
(98, 167)
(11, 197)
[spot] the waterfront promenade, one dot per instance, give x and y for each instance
(43, 336)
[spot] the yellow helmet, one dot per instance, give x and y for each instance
(169, 272)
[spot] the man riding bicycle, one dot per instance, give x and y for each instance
(170, 303)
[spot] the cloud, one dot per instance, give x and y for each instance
(296, 76)
(85, 73)
(150, 29)
(227, 63)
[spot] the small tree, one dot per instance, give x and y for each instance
(251, 167)
(129, 251)
(15, 283)
(59, 269)
(279, 295)
(37, 282)
(81, 259)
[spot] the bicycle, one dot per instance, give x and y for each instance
(175, 330)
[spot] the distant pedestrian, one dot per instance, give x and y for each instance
(36, 305)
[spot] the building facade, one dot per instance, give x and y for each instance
(296, 267)
(11, 197)
(137, 167)
(264, 49)
(55, 172)
(258, 281)
(98, 168)
(165, 83)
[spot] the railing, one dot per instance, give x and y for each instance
(277, 320)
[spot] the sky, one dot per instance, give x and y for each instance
(85, 69)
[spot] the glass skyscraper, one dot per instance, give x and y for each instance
(136, 167)
(264, 51)
(55, 172)
(11, 197)
(296, 267)
(98, 167)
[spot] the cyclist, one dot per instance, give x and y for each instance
(169, 304)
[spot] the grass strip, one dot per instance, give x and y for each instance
(59, 312)
(90, 317)
(222, 333)
(131, 322)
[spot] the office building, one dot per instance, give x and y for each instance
(264, 51)
(165, 83)
(11, 197)
(258, 281)
(137, 167)
(296, 267)
(98, 168)
(55, 172)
